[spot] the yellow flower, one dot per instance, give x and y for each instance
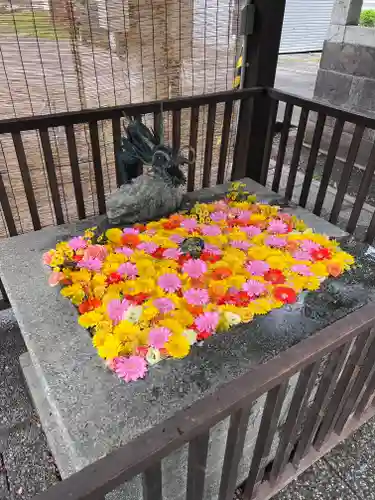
(99, 339)
(114, 235)
(57, 260)
(126, 331)
(183, 317)
(259, 306)
(246, 314)
(149, 313)
(319, 270)
(81, 276)
(173, 325)
(257, 218)
(90, 319)
(110, 348)
(259, 252)
(98, 280)
(178, 346)
(144, 285)
(312, 283)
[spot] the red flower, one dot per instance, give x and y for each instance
(194, 310)
(285, 294)
(131, 240)
(275, 276)
(209, 257)
(140, 227)
(89, 305)
(242, 299)
(114, 278)
(221, 273)
(204, 335)
(158, 254)
(171, 224)
(140, 298)
(321, 253)
(183, 258)
(77, 258)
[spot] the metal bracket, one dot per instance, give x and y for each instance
(247, 19)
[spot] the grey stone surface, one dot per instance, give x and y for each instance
(333, 87)
(346, 12)
(96, 412)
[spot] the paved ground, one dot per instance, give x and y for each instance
(296, 73)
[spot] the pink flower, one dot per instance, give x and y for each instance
(130, 230)
(277, 226)
(77, 242)
(308, 245)
(243, 215)
(257, 267)
(169, 282)
(251, 231)
(302, 255)
(197, 296)
(212, 249)
(125, 251)
(302, 269)
(116, 309)
(131, 368)
(218, 216)
(208, 230)
(148, 247)
(207, 322)
(47, 258)
(254, 288)
(164, 304)
(194, 268)
(172, 253)
(189, 224)
(128, 269)
(241, 244)
(55, 277)
(275, 241)
(95, 252)
(91, 264)
(157, 337)
(176, 238)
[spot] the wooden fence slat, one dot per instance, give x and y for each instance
(116, 132)
(343, 386)
(197, 460)
(309, 173)
(152, 482)
(224, 142)
(233, 452)
(157, 122)
(321, 400)
(194, 118)
(98, 171)
(294, 419)
(51, 174)
(370, 234)
(176, 129)
(346, 173)
(364, 187)
(266, 433)
(296, 153)
(282, 147)
(26, 179)
(7, 211)
(76, 173)
(369, 391)
(357, 389)
(207, 165)
(269, 141)
(328, 165)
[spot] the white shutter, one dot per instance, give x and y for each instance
(305, 25)
(368, 4)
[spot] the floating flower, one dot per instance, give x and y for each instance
(153, 356)
(178, 346)
(335, 269)
(277, 227)
(130, 230)
(208, 230)
(308, 245)
(221, 273)
(251, 231)
(47, 258)
(148, 247)
(77, 243)
(321, 254)
(130, 240)
(207, 322)
(189, 224)
(254, 288)
(197, 296)
(275, 276)
(242, 245)
(257, 267)
(55, 278)
(302, 255)
(176, 238)
(190, 335)
(169, 282)
(128, 269)
(285, 294)
(194, 268)
(91, 264)
(95, 252)
(114, 235)
(125, 251)
(219, 216)
(275, 241)
(164, 305)
(302, 269)
(157, 337)
(132, 314)
(172, 253)
(116, 309)
(131, 368)
(212, 249)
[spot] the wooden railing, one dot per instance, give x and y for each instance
(333, 396)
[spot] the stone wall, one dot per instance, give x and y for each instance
(346, 76)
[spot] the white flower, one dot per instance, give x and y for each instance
(132, 314)
(232, 318)
(190, 335)
(153, 356)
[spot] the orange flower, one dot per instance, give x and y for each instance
(89, 305)
(195, 310)
(221, 273)
(140, 227)
(131, 240)
(291, 246)
(335, 269)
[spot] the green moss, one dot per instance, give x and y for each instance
(38, 24)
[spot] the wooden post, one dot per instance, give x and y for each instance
(260, 55)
